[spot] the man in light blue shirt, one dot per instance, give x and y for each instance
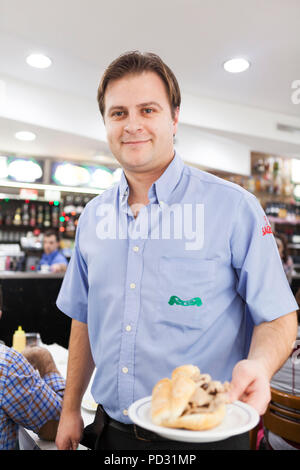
(52, 258)
(171, 266)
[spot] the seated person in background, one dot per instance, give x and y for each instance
(287, 380)
(287, 260)
(52, 257)
(28, 397)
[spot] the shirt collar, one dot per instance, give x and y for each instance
(123, 186)
(51, 255)
(168, 180)
(165, 184)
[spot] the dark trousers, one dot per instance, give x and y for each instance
(114, 439)
(107, 434)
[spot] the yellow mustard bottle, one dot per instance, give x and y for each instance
(19, 339)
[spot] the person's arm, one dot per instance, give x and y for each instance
(271, 344)
(33, 400)
(58, 267)
(42, 360)
(80, 369)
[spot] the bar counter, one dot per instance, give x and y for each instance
(28, 299)
(29, 275)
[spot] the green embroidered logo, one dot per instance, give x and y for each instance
(176, 300)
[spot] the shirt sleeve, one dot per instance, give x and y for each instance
(29, 400)
(262, 282)
(73, 295)
(42, 261)
(60, 259)
(56, 382)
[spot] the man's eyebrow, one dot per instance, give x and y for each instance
(149, 103)
(112, 108)
(141, 105)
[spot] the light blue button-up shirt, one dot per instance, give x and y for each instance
(183, 283)
(56, 257)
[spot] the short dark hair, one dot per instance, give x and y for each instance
(136, 62)
(51, 232)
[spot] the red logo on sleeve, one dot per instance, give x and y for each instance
(267, 227)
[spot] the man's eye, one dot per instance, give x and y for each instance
(118, 113)
(148, 110)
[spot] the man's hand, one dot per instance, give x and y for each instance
(70, 430)
(58, 268)
(251, 385)
(41, 359)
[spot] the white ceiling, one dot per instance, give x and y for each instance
(193, 36)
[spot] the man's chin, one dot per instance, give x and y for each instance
(136, 163)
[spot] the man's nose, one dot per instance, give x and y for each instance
(133, 124)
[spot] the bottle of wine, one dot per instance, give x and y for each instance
(25, 217)
(47, 218)
(17, 220)
(32, 221)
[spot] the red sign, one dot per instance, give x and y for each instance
(29, 193)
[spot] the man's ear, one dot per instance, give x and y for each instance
(175, 120)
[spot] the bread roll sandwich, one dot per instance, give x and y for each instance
(189, 400)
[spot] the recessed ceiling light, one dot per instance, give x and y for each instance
(39, 61)
(236, 65)
(25, 135)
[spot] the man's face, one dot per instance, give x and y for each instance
(50, 244)
(139, 123)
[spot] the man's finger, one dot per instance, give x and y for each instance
(74, 445)
(239, 384)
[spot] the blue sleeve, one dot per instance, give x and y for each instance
(73, 295)
(262, 282)
(60, 259)
(41, 262)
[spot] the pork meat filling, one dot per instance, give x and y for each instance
(208, 395)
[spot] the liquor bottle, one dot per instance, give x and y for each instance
(282, 213)
(32, 221)
(8, 218)
(25, 217)
(17, 220)
(277, 177)
(251, 184)
(40, 216)
(55, 214)
(47, 218)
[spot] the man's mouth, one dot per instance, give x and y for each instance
(135, 142)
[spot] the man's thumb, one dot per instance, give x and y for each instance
(238, 385)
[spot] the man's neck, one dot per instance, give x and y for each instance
(140, 183)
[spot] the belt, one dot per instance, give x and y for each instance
(135, 431)
(93, 432)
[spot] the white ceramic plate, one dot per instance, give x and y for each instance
(239, 418)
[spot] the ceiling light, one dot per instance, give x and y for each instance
(236, 65)
(40, 61)
(25, 135)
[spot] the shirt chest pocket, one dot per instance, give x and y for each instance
(186, 288)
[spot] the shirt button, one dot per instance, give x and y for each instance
(125, 412)
(136, 249)
(124, 370)
(132, 285)
(128, 328)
